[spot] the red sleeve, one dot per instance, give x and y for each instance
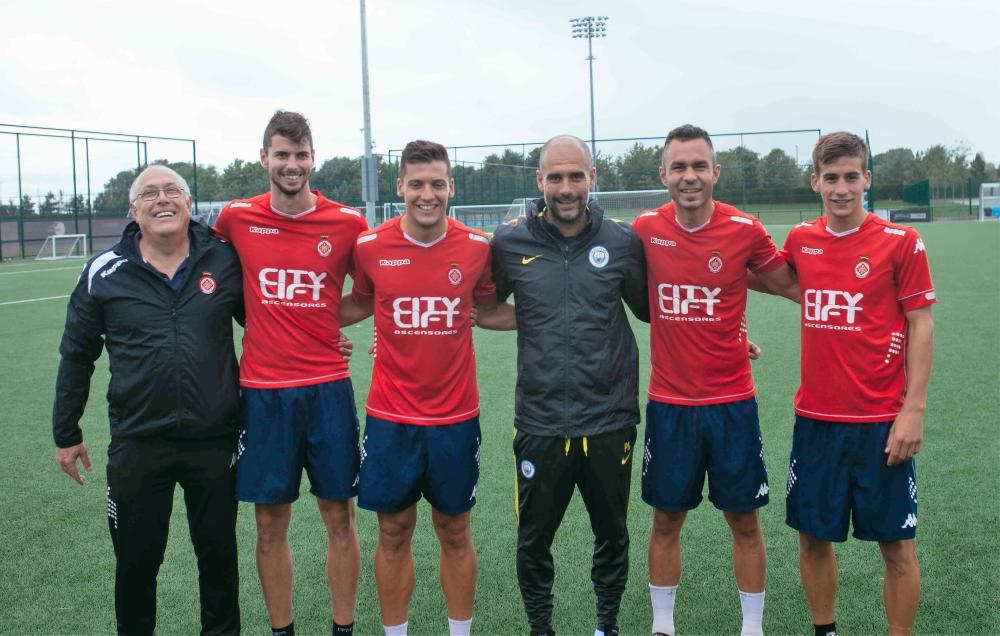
(362, 285)
(788, 252)
(913, 274)
(221, 227)
(765, 256)
(485, 292)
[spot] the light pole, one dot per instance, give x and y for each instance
(590, 27)
(369, 167)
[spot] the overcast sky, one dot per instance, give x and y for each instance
(912, 73)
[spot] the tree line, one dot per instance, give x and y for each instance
(747, 177)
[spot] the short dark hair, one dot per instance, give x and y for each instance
(423, 151)
(688, 132)
(833, 146)
(292, 126)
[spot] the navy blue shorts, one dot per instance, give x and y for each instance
(683, 443)
(401, 462)
(838, 471)
(285, 430)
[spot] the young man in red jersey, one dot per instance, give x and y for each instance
(867, 340)
(296, 246)
(421, 274)
(702, 411)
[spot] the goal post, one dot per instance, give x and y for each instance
(989, 202)
(61, 246)
(486, 217)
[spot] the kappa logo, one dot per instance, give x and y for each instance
(393, 262)
(762, 491)
(264, 230)
(240, 204)
(662, 242)
(114, 268)
(919, 247)
(911, 521)
(812, 251)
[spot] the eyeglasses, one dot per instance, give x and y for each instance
(151, 194)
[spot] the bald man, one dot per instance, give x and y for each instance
(576, 407)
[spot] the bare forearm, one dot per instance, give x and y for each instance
(919, 357)
(355, 309)
(497, 316)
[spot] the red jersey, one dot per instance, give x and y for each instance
(697, 280)
(856, 289)
(293, 274)
(425, 368)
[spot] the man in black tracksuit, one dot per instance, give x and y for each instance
(162, 301)
(576, 405)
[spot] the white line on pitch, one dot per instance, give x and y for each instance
(32, 300)
(35, 271)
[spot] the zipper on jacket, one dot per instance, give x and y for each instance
(566, 339)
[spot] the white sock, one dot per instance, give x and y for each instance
(663, 607)
(752, 604)
(396, 630)
(459, 628)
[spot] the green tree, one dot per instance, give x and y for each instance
(113, 199)
(50, 205)
(740, 171)
(895, 166)
(639, 168)
(977, 169)
(339, 178)
(778, 170)
(27, 205)
(242, 180)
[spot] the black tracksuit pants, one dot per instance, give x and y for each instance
(548, 470)
(142, 473)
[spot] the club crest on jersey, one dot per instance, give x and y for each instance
(454, 274)
(324, 247)
(715, 262)
(863, 268)
(527, 469)
(207, 284)
(599, 256)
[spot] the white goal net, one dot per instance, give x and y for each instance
(59, 246)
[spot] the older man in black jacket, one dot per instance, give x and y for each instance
(162, 302)
(576, 406)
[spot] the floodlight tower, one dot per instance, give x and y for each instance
(590, 27)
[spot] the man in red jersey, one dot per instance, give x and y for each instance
(421, 274)
(702, 411)
(867, 340)
(296, 246)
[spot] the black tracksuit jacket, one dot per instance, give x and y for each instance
(173, 366)
(577, 360)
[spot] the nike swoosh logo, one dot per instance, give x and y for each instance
(527, 259)
(626, 458)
